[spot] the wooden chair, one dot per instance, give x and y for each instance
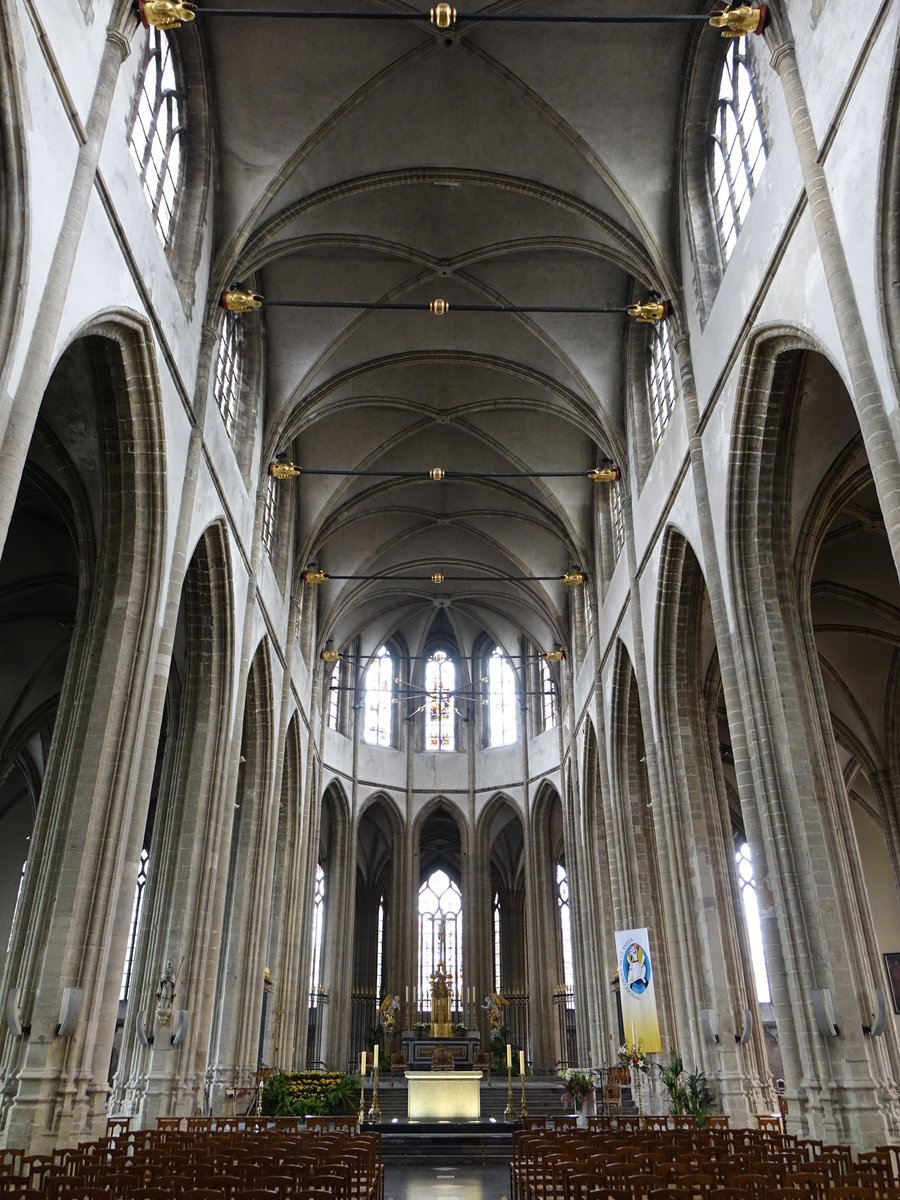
(481, 1059)
(399, 1062)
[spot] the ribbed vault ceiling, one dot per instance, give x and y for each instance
(513, 164)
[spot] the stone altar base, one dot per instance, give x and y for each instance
(444, 1095)
(419, 1050)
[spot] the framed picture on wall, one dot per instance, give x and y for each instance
(892, 966)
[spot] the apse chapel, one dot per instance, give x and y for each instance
(450, 506)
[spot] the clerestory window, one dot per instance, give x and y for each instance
(270, 512)
(440, 706)
(501, 700)
(379, 693)
(739, 148)
(661, 381)
(618, 517)
(155, 136)
(229, 363)
(744, 861)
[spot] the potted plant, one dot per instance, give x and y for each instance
(670, 1074)
(578, 1086)
(699, 1097)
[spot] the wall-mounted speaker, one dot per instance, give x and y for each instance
(143, 1029)
(181, 1022)
(13, 1020)
(826, 1018)
(746, 1033)
(69, 1011)
(709, 1026)
(880, 1015)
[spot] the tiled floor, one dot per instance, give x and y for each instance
(447, 1183)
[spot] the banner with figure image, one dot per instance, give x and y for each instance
(637, 990)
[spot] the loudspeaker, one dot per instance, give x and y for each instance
(746, 1033)
(13, 1021)
(880, 1014)
(823, 1007)
(144, 1035)
(69, 1011)
(181, 1021)
(709, 1025)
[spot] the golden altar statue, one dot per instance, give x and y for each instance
(441, 1025)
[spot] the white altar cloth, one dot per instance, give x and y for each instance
(444, 1095)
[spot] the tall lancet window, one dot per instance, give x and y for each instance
(497, 975)
(318, 931)
(135, 925)
(155, 135)
(662, 387)
(548, 696)
(440, 934)
(440, 710)
(379, 686)
(744, 862)
(739, 149)
(565, 927)
(502, 700)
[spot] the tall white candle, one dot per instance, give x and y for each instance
(633, 1038)
(375, 1061)
(521, 1062)
(362, 1064)
(508, 1056)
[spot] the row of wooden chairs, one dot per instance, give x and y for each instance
(642, 1164)
(252, 1164)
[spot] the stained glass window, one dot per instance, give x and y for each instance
(379, 952)
(440, 710)
(739, 148)
(501, 700)
(618, 517)
(440, 931)
(155, 135)
(379, 688)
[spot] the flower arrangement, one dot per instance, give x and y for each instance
(633, 1056)
(578, 1083)
(309, 1092)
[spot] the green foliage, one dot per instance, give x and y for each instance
(309, 1093)
(461, 1030)
(670, 1074)
(375, 1034)
(498, 1050)
(699, 1097)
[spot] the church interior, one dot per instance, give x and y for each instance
(468, 447)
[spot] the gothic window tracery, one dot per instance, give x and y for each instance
(440, 932)
(739, 148)
(661, 384)
(134, 927)
(229, 363)
(440, 709)
(548, 696)
(270, 511)
(501, 700)
(618, 517)
(497, 959)
(154, 138)
(379, 687)
(318, 932)
(565, 927)
(744, 861)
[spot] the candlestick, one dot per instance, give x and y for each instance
(509, 1112)
(375, 1111)
(522, 1077)
(362, 1087)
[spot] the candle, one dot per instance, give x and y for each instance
(508, 1057)
(407, 994)
(375, 1062)
(633, 1038)
(362, 1064)
(521, 1062)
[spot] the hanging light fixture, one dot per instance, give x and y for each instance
(734, 20)
(574, 577)
(239, 300)
(282, 469)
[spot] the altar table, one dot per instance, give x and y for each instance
(444, 1095)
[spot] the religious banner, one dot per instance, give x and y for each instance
(637, 990)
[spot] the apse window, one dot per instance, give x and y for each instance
(501, 700)
(440, 707)
(497, 975)
(661, 384)
(744, 861)
(379, 694)
(440, 932)
(227, 379)
(739, 148)
(155, 135)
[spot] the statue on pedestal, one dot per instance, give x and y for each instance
(441, 1025)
